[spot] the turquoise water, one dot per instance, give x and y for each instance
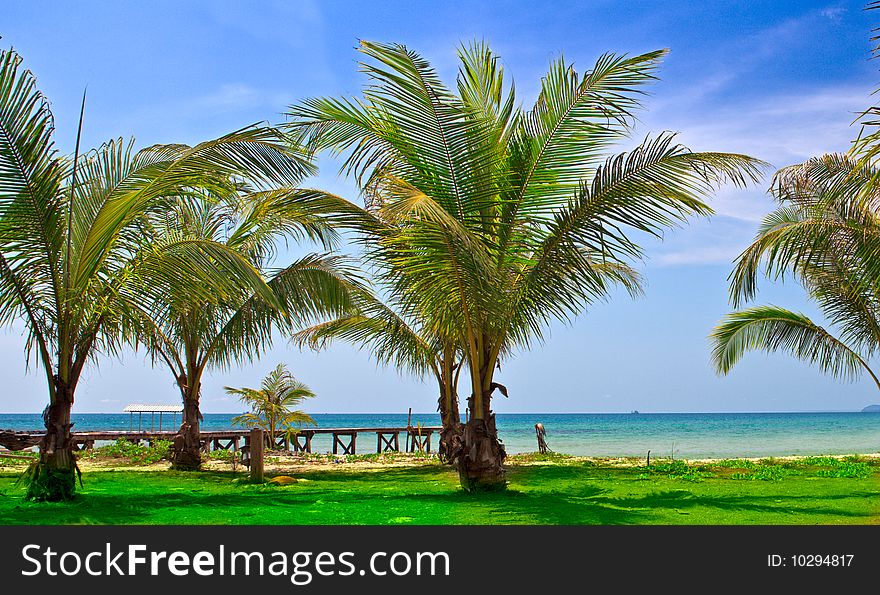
(691, 435)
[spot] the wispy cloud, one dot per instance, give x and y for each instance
(705, 255)
(832, 12)
(232, 97)
(782, 128)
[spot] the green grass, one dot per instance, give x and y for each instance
(559, 491)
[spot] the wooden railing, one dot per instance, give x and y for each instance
(344, 440)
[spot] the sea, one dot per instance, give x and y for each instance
(679, 435)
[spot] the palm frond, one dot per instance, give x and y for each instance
(31, 199)
(770, 328)
(378, 328)
(313, 287)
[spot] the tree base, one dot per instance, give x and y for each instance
(185, 461)
(53, 477)
(51, 482)
(186, 454)
(480, 461)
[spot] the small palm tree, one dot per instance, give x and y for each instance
(75, 265)
(826, 234)
(191, 334)
(273, 405)
(487, 221)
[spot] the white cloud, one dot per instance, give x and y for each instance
(697, 256)
(832, 12)
(782, 129)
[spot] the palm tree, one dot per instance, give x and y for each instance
(393, 340)
(192, 333)
(272, 405)
(74, 267)
(487, 221)
(825, 233)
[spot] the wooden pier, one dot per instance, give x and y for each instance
(344, 440)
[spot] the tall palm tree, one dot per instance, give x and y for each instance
(393, 340)
(192, 333)
(826, 234)
(74, 267)
(273, 405)
(488, 221)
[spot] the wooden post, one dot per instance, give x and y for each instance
(257, 445)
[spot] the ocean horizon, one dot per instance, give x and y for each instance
(682, 435)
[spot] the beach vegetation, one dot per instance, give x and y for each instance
(824, 234)
(273, 406)
(130, 452)
(486, 221)
(78, 266)
(190, 334)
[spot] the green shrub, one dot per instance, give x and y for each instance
(222, 455)
(818, 462)
(677, 470)
(137, 454)
(31, 456)
(765, 472)
(735, 464)
(846, 469)
(550, 457)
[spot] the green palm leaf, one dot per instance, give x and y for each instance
(770, 328)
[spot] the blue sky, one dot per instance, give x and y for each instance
(781, 81)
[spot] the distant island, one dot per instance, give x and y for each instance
(871, 409)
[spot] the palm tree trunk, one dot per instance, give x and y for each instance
(450, 445)
(53, 477)
(186, 448)
(480, 462)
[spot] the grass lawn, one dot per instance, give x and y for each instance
(556, 491)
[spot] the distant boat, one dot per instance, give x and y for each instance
(871, 409)
(634, 412)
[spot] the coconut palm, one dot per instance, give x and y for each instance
(826, 234)
(74, 267)
(393, 340)
(487, 221)
(190, 334)
(273, 404)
